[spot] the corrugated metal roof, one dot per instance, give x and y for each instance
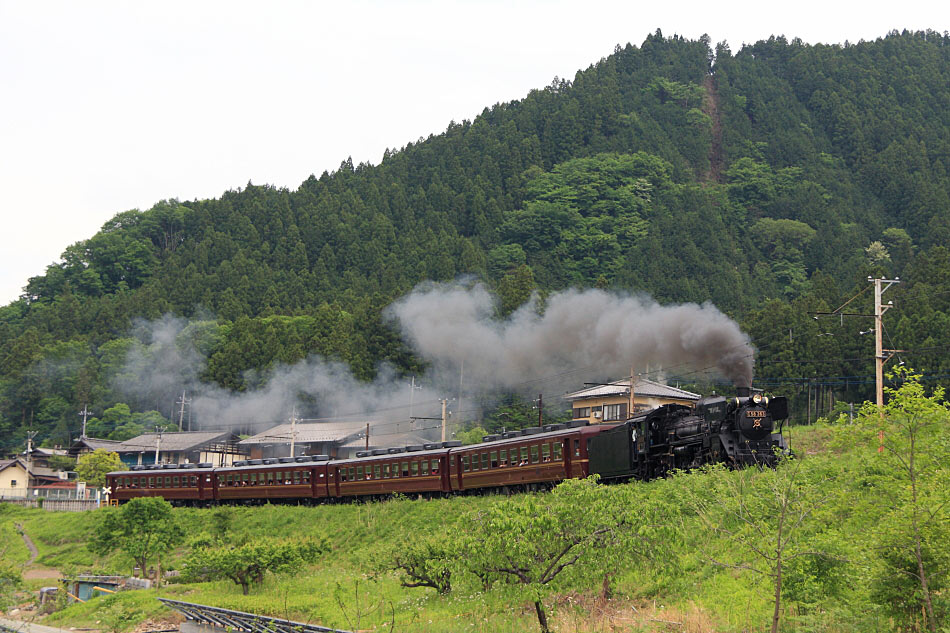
(175, 442)
(309, 432)
(644, 388)
(386, 441)
(94, 443)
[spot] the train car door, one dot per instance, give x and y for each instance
(568, 461)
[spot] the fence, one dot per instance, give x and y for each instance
(55, 505)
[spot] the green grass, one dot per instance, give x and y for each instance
(346, 589)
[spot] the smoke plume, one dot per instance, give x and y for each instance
(450, 325)
(579, 335)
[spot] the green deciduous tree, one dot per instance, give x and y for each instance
(247, 563)
(534, 544)
(767, 515)
(915, 443)
(93, 467)
(142, 529)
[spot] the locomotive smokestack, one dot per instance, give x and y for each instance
(743, 392)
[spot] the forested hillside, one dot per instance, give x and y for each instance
(770, 182)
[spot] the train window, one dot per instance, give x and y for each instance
(534, 453)
(577, 448)
(270, 478)
(415, 468)
(245, 479)
(385, 471)
(194, 480)
(464, 463)
(253, 479)
(425, 467)
(524, 456)
(168, 482)
(405, 469)
(280, 477)
(175, 481)
(376, 470)
(359, 472)
(484, 461)
(353, 474)
(151, 482)
(474, 461)
(306, 477)
(342, 474)
(557, 451)
(545, 452)
(435, 467)
(227, 481)
(503, 457)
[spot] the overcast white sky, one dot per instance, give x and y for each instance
(109, 106)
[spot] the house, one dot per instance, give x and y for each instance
(378, 441)
(610, 402)
(85, 445)
(18, 477)
(310, 438)
(218, 448)
(40, 456)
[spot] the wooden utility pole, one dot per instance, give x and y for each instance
(367, 436)
(879, 358)
(445, 403)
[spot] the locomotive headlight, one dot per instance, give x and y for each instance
(757, 398)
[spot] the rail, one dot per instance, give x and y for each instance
(227, 619)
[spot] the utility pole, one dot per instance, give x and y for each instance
(29, 455)
(540, 410)
(367, 436)
(412, 392)
(879, 350)
(181, 415)
(445, 403)
(461, 376)
(84, 413)
(293, 431)
(632, 403)
(158, 442)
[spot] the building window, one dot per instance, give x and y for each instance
(615, 411)
(581, 412)
(13, 483)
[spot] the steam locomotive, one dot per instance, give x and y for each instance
(738, 431)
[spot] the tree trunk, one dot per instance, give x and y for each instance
(245, 587)
(542, 616)
(778, 595)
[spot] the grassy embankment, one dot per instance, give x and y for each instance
(347, 590)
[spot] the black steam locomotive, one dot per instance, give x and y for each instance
(740, 431)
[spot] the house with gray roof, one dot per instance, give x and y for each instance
(84, 445)
(309, 438)
(610, 402)
(219, 448)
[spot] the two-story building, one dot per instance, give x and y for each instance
(611, 402)
(18, 477)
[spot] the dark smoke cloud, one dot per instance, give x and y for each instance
(452, 326)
